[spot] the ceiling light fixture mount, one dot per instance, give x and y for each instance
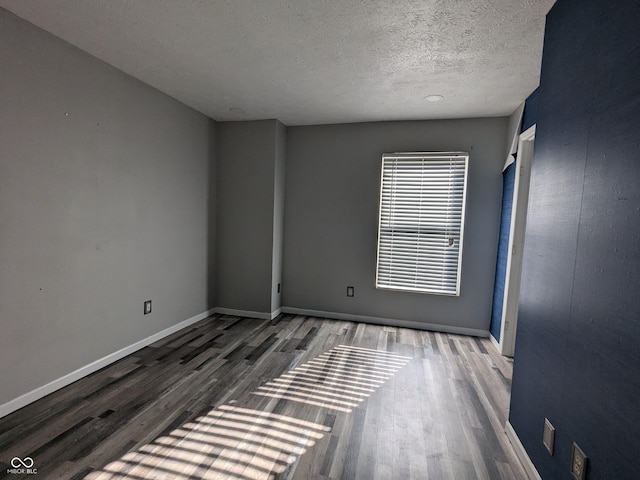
(434, 98)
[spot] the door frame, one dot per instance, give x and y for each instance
(509, 322)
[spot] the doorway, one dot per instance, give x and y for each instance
(516, 243)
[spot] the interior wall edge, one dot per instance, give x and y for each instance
(44, 390)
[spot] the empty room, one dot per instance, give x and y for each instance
(320, 239)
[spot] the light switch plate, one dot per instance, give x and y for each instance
(548, 435)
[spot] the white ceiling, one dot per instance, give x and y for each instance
(314, 61)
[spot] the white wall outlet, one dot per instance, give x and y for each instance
(147, 307)
(350, 292)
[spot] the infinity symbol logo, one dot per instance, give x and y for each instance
(26, 462)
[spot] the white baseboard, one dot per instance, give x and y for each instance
(495, 343)
(38, 393)
(522, 454)
(248, 313)
(388, 321)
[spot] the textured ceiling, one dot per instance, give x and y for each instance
(314, 61)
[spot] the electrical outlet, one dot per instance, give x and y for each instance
(548, 435)
(350, 292)
(147, 307)
(278, 288)
(578, 463)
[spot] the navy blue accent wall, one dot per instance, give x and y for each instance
(530, 114)
(508, 182)
(577, 357)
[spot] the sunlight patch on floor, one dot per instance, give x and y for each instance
(339, 379)
(232, 442)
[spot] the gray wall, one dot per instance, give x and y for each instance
(278, 214)
(246, 178)
(212, 216)
(104, 203)
(332, 194)
(112, 193)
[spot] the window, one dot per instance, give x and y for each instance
(421, 225)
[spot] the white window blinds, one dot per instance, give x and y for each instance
(422, 202)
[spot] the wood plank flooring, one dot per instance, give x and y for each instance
(293, 398)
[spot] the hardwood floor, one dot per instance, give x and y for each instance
(295, 398)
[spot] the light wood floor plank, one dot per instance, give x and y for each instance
(294, 398)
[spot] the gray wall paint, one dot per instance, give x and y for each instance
(104, 203)
(332, 193)
(212, 215)
(246, 173)
(278, 214)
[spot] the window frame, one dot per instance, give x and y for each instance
(421, 157)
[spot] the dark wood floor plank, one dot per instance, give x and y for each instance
(416, 404)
